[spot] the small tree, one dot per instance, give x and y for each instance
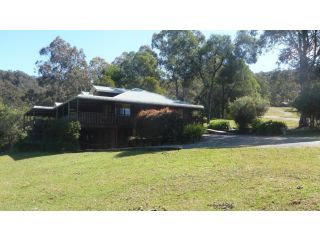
(164, 123)
(245, 110)
(308, 104)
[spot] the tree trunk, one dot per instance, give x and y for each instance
(222, 100)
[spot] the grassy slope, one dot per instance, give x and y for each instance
(199, 179)
(285, 114)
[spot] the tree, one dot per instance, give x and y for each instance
(10, 126)
(299, 49)
(97, 66)
(178, 53)
(65, 72)
(136, 70)
(246, 109)
(235, 80)
(18, 88)
(213, 54)
(281, 85)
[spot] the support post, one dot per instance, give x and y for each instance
(68, 110)
(77, 109)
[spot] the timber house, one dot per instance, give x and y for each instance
(107, 114)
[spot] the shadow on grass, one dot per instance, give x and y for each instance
(26, 155)
(133, 152)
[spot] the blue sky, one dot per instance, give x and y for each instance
(19, 50)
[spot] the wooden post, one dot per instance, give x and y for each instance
(68, 110)
(77, 109)
(116, 136)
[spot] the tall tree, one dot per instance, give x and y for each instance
(212, 56)
(96, 67)
(178, 52)
(300, 49)
(65, 71)
(136, 70)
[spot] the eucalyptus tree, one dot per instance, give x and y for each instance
(178, 52)
(96, 67)
(212, 56)
(137, 70)
(64, 72)
(300, 49)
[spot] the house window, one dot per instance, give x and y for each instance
(124, 110)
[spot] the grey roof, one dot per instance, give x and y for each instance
(108, 89)
(135, 95)
(43, 107)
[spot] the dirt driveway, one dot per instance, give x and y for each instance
(225, 141)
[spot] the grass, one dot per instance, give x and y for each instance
(288, 115)
(232, 123)
(285, 114)
(197, 179)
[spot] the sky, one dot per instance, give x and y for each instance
(19, 50)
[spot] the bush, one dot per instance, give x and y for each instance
(193, 132)
(223, 125)
(58, 135)
(164, 123)
(270, 128)
(245, 110)
(11, 129)
(61, 135)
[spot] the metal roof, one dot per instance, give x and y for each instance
(109, 89)
(135, 95)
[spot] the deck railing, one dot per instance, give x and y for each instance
(90, 119)
(93, 118)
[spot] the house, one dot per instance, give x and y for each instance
(107, 114)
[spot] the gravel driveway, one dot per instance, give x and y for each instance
(225, 141)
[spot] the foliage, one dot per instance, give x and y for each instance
(223, 125)
(57, 135)
(298, 48)
(97, 66)
(178, 53)
(18, 89)
(308, 104)
(280, 86)
(212, 57)
(61, 136)
(269, 127)
(164, 123)
(65, 72)
(136, 70)
(193, 132)
(11, 131)
(245, 110)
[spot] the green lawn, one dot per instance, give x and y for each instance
(198, 179)
(288, 115)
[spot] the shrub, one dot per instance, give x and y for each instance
(193, 132)
(61, 135)
(58, 135)
(245, 110)
(164, 123)
(223, 125)
(11, 129)
(271, 128)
